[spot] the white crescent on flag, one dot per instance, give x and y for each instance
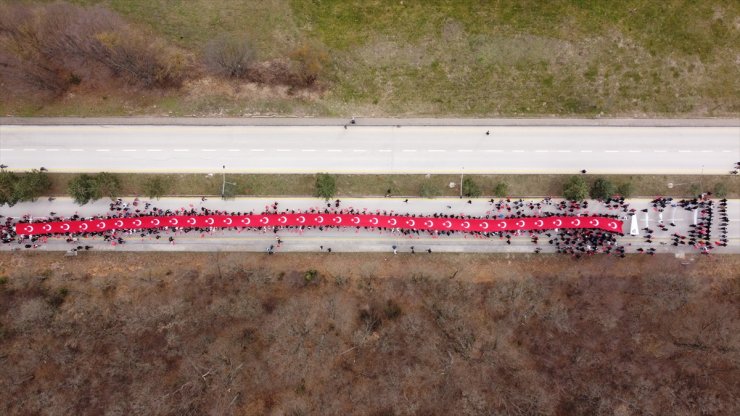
(209, 221)
(411, 223)
(429, 223)
(47, 227)
(448, 224)
(283, 220)
(65, 227)
(301, 219)
(29, 228)
(356, 220)
(539, 223)
(557, 223)
(101, 225)
(119, 223)
(155, 222)
(191, 221)
(520, 223)
(264, 220)
(173, 221)
(613, 225)
(137, 223)
(595, 223)
(392, 221)
(83, 226)
(374, 221)
(227, 221)
(338, 220)
(246, 221)
(484, 225)
(320, 219)
(502, 224)
(466, 225)
(576, 222)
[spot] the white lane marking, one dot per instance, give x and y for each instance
(727, 151)
(153, 150)
(129, 150)
(684, 151)
(660, 151)
(586, 151)
(182, 150)
(6, 150)
(518, 151)
(308, 150)
(563, 151)
(283, 150)
(207, 150)
(76, 150)
(102, 150)
(334, 150)
(464, 150)
(707, 151)
(256, 150)
(634, 151)
(52, 150)
(436, 150)
(493, 151)
(541, 151)
(384, 150)
(29, 150)
(359, 150)
(408, 150)
(234, 150)
(611, 151)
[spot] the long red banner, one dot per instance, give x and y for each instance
(317, 220)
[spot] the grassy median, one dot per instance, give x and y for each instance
(405, 185)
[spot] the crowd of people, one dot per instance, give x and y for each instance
(576, 242)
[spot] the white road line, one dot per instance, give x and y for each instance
(727, 151)
(634, 151)
(282, 150)
(207, 150)
(611, 151)
(563, 151)
(29, 150)
(334, 150)
(707, 151)
(464, 150)
(660, 151)
(359, 150)
(518, 151)
(76, 150)
(52, 150)
(384, 150)
(493, 151)
(408, 150)
(587, 151)
(234, 150)
(308, 150)
(182, 150)
(541, 151)
(102, 150)
(129, 150)
(436, 150)
(6, 150)
(256, 150)
(684, 151)
(153, 150)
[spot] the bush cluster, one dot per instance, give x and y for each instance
(86, 188)
(27, 186)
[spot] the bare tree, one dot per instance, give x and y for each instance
(229, 55)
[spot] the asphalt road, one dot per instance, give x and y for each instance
(372, 149)
(352, 240)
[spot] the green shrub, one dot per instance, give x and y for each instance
(428, 190)
(155, 187)
(694, 190)
(108, 184)
(602, 189)
(720, 190)
(501, 189)
(326, 186)
(625, 189)
(470, 188)
(83, 189)
(575, 189)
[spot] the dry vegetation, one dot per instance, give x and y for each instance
(366, 334)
